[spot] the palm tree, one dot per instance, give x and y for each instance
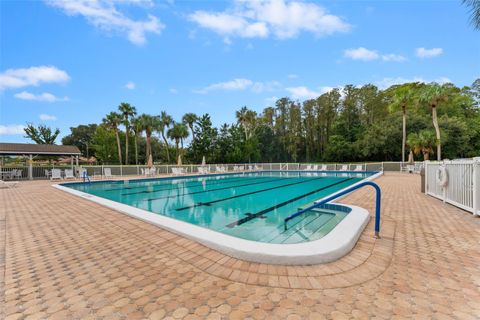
(150, 123)
(242, 119)
(422, 142)
(474, 6)
(189, 119)
(127, 111)
(165, 122)
(137, 128)
(112, 121)
(402, 97)
(178, 132)
(433, 94)
(246, 118)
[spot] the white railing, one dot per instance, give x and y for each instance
(42, 171)
(463, 186)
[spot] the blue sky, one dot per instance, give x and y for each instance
(65, 63)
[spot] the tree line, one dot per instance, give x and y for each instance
(345, 124)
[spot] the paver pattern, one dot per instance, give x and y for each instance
(62, 257)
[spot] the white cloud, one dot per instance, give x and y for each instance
(173, 90)
(365, 54)
(393, 57)
(387, 82)
(302, 92)
(12, 129)
(241, 84)
(130, 85)
(104, 15)
(292, 76)
(428, 53)
(33, 76)
(259, 19)
(361, 54)
(43, 97)
(47, 117)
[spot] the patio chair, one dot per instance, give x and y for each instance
(107, 172)
(258, 168)
(69, 174)
(47, 173)
(323, 167)
(9, 184)
(56, 174)
(18, 174)
(308, 168)
(315, 167)
(344, 167)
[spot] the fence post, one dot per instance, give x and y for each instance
(476, 192)
(30, 169)
(383, 169)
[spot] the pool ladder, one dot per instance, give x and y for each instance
(342, 193)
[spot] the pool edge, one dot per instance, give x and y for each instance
(336, 244)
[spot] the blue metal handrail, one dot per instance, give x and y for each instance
(344, 192)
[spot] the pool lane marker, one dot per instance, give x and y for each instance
(244, 194)
(191, 186)
(250, 216)
(223, 188)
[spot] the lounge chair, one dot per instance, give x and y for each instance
(258, 168)
(315, 167)
(323, 167)
(9, 184)
(344, 167)
(69, 174)
(358, 167)
(56, 174)
(107, 172)
(150, 172)
(177, 171)
(308, 168)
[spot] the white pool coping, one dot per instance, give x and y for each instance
(334, 245)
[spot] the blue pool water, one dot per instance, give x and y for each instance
(251, 206)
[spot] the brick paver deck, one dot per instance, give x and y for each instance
(62, 257)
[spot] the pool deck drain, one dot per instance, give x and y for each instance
(63, 257)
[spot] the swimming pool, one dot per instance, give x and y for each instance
(247, 206)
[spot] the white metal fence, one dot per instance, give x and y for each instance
(463, 186)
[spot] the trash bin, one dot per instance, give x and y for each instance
(422, 179)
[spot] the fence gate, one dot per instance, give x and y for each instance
(463, 186)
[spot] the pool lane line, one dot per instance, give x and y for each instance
(191, 186)
(311, 221)
(251, 216)
(223, 188)
(183, 183)
(245, 194)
